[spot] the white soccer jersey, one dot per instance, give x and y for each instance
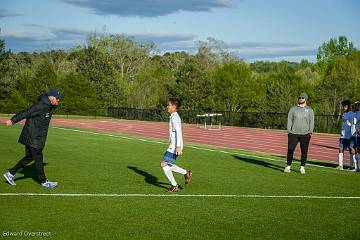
(347, 122)
(175, 133)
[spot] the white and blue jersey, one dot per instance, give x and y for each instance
(175, 133)
(175, 139)
(356, 122)
(356, 127)
(347, 122)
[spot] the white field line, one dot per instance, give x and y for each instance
(143, 195)
(189, 146)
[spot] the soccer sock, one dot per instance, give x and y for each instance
(169, 175)
(354, 161)
(341, 159)
(351, 162)
(357, 157)
(178, 169)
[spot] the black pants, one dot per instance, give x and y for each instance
(293, 140)
(31, 154)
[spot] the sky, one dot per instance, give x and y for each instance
(270, 30)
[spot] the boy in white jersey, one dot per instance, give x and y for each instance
(346, 141)
(175, 147)
(356, 134)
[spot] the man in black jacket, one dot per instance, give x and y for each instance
(34, 134)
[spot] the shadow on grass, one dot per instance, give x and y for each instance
(29, 171)
(259, 162)
(150, 179)
(316, 162)
(281, 166)
(325, 146)
(323, 164)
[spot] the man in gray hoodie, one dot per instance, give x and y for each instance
(300, 126)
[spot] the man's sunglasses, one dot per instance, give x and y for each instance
(301, 98)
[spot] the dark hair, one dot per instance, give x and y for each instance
(356, 105)
(175, 101)
(346, 103)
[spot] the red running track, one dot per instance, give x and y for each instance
(322, 146)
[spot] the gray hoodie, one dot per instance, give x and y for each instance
(300, 120)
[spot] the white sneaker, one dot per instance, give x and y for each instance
(287, 169)
(49, 184)
(9, 178)
(340, 168)
(302, 170)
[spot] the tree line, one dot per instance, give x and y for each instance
(114, 70)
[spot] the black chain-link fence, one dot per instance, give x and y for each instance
(270, 120)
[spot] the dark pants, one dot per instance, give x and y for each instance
(31, 154)
(293, 140)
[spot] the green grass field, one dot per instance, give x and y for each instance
(86, 163)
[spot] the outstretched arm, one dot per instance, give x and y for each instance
(24, 114)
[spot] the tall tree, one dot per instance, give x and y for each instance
(126, 54)
(79, 94)
(282, 90)
(149, 87)
(6, 84)
(96, 66)
(233, 86)
(334, 48)
(339, 83)
(193, 84)
(31, 84)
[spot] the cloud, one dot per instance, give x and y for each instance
(44, 38)
(60, 33)
(149, 8)
(4, 13)
(254, 50)
(310, 58)
(163, 38)
(245, 45)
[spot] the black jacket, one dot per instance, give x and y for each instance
(38, 118)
